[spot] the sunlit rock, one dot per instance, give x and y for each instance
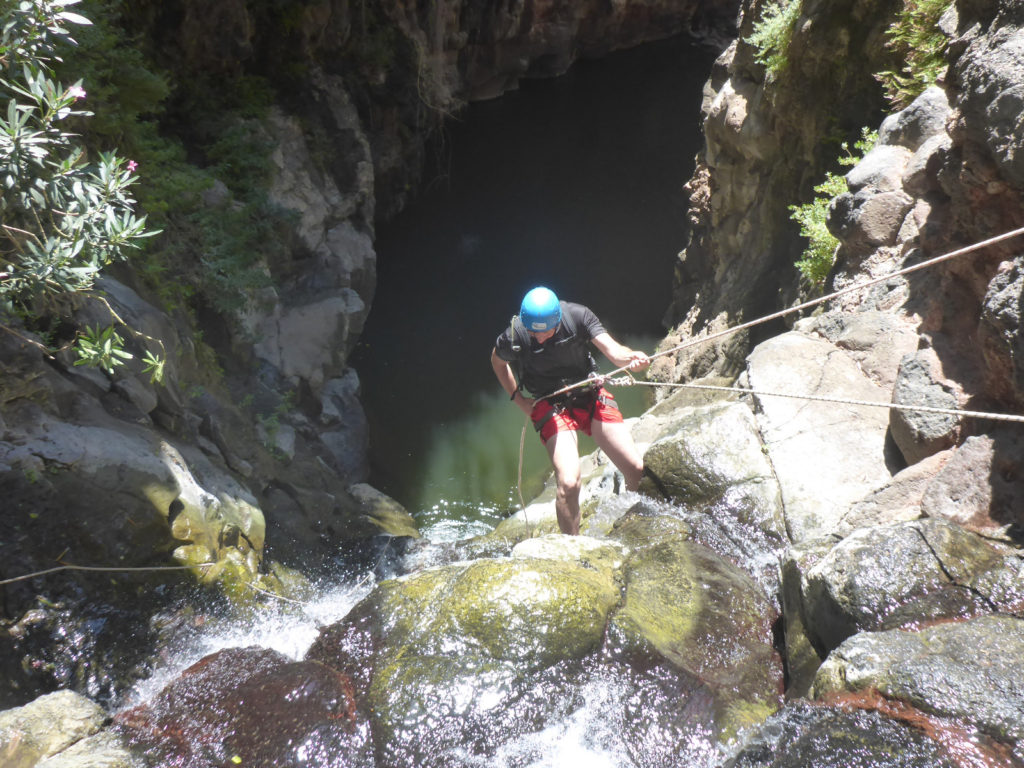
(899, 575)
(45, 727)
(980, 486)
(825, 455)
(689, 467)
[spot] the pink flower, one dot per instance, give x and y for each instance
(132, 165)
(76, 91)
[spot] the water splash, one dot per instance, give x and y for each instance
(596, 735)
(286, 627)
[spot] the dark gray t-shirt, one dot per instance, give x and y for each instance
(563, 359)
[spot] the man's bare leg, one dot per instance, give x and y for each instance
(563, 448)
(615, 439)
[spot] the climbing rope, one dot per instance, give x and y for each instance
(625, 381)
(103, 569)
(813, 302)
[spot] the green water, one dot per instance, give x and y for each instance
(470, 466)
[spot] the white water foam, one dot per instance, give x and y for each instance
(286, 627)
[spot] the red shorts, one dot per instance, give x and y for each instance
(567, 417)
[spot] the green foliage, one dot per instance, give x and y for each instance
(772, 35)
(101, 349)
(917, 41)
(209, 253)
(64, 219)
(819, 255)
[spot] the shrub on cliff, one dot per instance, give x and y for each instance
(64, 218)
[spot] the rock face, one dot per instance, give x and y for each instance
(953, 670)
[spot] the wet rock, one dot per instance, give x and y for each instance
(922, 433)
(825, 455)
(690, 468)
(897, 575)
(690, 610)
(250, 707)
(806, 735)
(445, 656)
(45, 727)
(467, 657)
(803, 652)
(969, 670)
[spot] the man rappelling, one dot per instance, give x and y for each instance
(544, 351)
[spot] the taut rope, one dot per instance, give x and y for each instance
(630, 381)
(813, 302)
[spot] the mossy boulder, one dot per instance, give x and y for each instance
(688, 609)
(445, 655)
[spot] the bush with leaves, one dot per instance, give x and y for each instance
(772, 35)
(64, 218)
(918, 42)
(819, 255)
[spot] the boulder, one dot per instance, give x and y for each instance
(979, 487)
(729, 498)
(45, 727)
(250, 706)
(923, 119)
(899, 500)
(700, 615)
(825, 455)
(969, 670)
(876, 341)
(689, 467)
(897, 575)
(920, 434)
(838, 736)
(444, 656)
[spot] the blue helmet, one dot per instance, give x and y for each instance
(540, 310)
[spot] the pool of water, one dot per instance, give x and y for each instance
(575, 183)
